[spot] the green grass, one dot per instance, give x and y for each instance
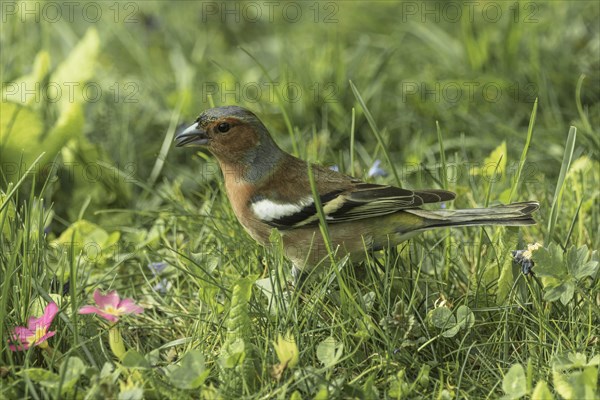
(445, 315)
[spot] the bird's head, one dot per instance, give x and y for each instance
(233, 134)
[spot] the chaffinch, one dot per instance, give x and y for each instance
(269, 188)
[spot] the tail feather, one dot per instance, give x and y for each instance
(515, 214)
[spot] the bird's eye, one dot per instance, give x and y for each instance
(223, 127)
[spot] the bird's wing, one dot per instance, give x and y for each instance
(363, 200)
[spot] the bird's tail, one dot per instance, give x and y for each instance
(515, 214)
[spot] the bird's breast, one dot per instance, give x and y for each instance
(239, 193)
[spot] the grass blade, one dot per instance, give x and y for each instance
(567, 157)
(515, 184)
(352, 133)
(286, 117)
(442, 155)
(27, 173)
(376, 132)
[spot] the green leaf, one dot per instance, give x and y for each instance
(568, 291)
(562, 385)
(15, 90)
(587, 383)
(75, 70)
(588, 269)
(270, 292)
(549, 262)
(560, 271)
(42, 376)
(239, 358)
(322, 394)
(571, 360)
(70, 370)
(238, 322)
(67, 87)
(442, 318)
(496, 159)
(514, 383)
(577, 263)
(131, 392)
(553, 293)
(399, 388)
(542, 392)
(329, 351)
(233, 353)
(577, 360)
(68, 126)
(576, 256)
(91, 177)
(108, 370)
(136, 360)
(191, 373)
(594, 361)
(465, 317)
(577, 384)
(451, 332)
(208, 294)
(20, 132)
(153, 357)
(88, 239)
(296, 396)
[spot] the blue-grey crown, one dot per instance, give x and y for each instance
(213, 114)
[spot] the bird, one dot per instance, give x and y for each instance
(269, 188)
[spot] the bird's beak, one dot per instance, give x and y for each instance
(193, 135)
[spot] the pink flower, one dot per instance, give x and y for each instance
(36, 333)
(110, 306)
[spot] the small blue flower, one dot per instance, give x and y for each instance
(157, 267)
(335, 168)
(375, 171)
(163, 286)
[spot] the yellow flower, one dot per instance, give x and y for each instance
(530, 249)
(286, 349)
(287, 353)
